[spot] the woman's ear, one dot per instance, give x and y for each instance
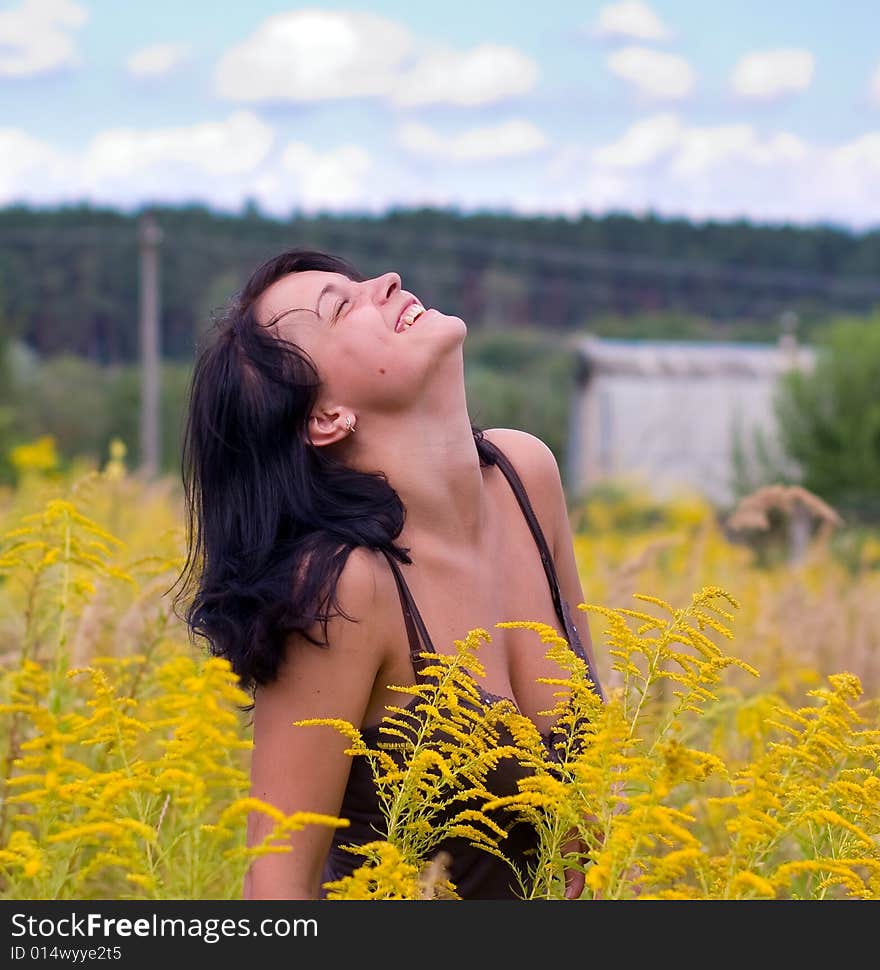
(326, 427)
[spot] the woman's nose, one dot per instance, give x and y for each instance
(386, 285)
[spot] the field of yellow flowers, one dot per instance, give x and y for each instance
(736, 756)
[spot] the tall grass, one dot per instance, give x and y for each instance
(736, 756)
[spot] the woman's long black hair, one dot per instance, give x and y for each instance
(271, 518)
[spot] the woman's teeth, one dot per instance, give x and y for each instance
(411, 314)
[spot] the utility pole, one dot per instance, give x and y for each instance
(149, 240)
(788, 342)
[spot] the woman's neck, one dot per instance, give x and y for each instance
(433, 464)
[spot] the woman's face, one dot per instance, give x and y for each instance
(348, 330)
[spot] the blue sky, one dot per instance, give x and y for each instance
(756, 110)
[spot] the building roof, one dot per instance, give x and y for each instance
(688, 358)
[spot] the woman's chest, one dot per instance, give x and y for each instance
(455, 595)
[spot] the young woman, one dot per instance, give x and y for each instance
(329, 458)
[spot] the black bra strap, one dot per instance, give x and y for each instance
(415, 625)
(562, 610)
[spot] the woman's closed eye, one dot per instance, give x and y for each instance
(337, 311)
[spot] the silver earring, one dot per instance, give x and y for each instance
(350, 426)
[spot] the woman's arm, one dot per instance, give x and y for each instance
(305, 768)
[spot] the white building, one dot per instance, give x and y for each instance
(666, 413)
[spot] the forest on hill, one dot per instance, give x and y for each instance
(69, 278)
(71, 285)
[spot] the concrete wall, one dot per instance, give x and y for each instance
(671, 430)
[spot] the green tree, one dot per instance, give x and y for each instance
(829, 418)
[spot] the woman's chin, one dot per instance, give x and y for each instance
(446, 321)
(453, 317)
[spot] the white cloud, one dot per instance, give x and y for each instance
(606, 190)
(156, 60)
(642, 143)
(732, 171)
(701, 172)
(311, 55)
(221, 164)
(631, 19)
(703, 149)
(217, 148)
(326, 180)
(37, 37)
(770, 74)
(481, 75)
(693, 150)
(506, 140)
(23, 161)
(875, 86)
(860, 155)
(655, 74)
(315, 55)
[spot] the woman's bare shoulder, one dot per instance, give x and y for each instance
(367, 592)
(532, 457)
(367, 586)
(359, 575)
(361, 593)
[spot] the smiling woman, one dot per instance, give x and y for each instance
(328, 435)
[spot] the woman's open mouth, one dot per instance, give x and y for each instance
(409, 317)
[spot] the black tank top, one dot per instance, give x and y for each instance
(475, 873)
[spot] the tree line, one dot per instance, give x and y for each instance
(69, 275)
